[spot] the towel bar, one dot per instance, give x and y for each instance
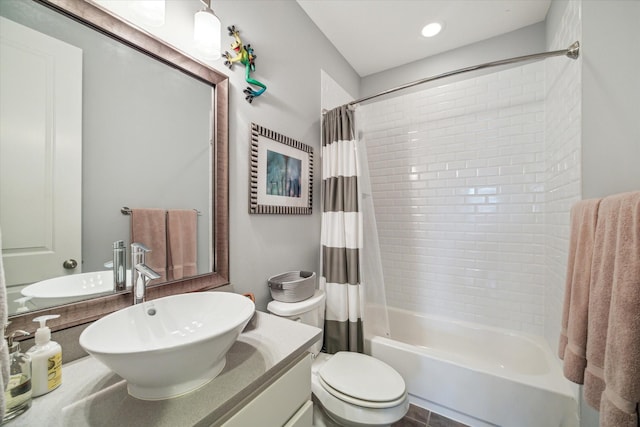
(127, 211)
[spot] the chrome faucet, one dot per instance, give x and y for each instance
(140, 273)
(119, 266)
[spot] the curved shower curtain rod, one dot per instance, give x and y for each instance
(572, 52)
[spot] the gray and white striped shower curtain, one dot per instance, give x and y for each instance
(341, 234)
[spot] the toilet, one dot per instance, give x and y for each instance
(349, 389)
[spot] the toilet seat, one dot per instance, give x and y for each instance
(358, 402)
(342, 401)
(362, 380)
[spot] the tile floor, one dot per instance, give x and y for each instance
(419, 417)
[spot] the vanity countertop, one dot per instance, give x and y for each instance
(92, 395)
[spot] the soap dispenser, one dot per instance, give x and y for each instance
(17, 394)
(46, 359)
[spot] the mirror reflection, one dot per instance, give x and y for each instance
(130, 131)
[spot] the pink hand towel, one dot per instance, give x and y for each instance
(573, 338)
(621, 397)
(182, 229)
(149, 227)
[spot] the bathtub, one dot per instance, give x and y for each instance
(479, 375)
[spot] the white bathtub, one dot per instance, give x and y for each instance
(477, 374)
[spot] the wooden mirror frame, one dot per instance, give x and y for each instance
(92, 309)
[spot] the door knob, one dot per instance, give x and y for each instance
(70, 264)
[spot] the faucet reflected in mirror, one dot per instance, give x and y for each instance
(119, 266)
(199, 92)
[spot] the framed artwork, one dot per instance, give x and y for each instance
(281, 175)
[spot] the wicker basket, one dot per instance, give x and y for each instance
(292, 286)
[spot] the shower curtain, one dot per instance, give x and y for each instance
(375, 315)
(341, 234)
(351, 267)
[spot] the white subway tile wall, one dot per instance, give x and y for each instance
(563, 163)
(472, 184)
(458, 183)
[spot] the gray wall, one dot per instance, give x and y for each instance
(610, 93)
(291, 52)
(524, 41)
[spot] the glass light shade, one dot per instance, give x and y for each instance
(150, 11)
(206, 34)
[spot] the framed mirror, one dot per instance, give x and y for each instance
(118, 169)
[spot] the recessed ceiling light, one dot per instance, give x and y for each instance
(431, 29)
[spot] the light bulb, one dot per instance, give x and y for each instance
(206, 34)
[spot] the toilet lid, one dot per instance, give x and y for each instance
(361, 377)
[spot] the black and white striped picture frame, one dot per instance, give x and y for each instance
(281, 174)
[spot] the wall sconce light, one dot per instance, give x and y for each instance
(206, 32)
(150, 11)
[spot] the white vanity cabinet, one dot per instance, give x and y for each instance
(266, 383)
(285, 401)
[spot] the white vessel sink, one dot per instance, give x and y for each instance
(66, 289)
(170, 346)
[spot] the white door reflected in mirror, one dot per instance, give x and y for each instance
(41, 154)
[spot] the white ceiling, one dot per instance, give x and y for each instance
(376, 35)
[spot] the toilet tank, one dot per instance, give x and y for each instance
(309, 312)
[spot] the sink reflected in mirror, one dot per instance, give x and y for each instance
(66, 289)
(170, 346)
